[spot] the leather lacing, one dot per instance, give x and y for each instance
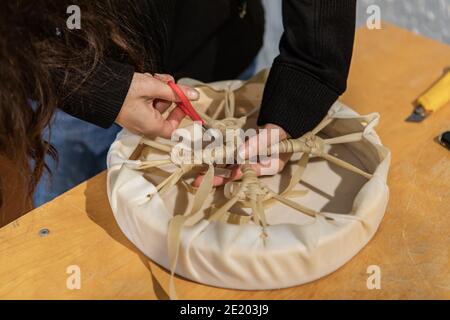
(250, 192)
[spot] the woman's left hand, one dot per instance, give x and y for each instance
(267, 167)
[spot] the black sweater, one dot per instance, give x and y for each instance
(209, 40)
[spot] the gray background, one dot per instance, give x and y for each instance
(427, 17)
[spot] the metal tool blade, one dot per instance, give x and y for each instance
(415, 117)
(418, 115)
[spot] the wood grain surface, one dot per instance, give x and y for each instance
(391, 68)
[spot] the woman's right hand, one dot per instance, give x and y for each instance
(147, 99)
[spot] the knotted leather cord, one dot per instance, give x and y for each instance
(250, 192)
(227, 106)
(228, 103)
(173, 179)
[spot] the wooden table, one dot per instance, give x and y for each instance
(391, 68)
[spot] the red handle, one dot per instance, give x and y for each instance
(185, 104)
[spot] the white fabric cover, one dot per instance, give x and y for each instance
(298, 248)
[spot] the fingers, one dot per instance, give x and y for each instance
(172, 122)
(190, 93)
(163, 77)
(217, 181)
(269, 168)
(157, 88)
(236, 174)
(161, 105)
(258, 144)
(272, 166)
(222, 172)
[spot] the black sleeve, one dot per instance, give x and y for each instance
(100, 98)
(312, 69)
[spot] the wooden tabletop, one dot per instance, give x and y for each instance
(391, 68)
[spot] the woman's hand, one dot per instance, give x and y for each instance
(269, 166)
(147, 99)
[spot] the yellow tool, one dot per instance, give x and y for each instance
(435, 98)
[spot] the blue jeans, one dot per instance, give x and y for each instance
(82, 149)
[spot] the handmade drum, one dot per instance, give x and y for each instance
(260, 232)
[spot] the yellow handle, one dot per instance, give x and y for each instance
(438, 95)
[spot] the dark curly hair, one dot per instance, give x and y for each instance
(39, 55)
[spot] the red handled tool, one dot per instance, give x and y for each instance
(185, 104)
